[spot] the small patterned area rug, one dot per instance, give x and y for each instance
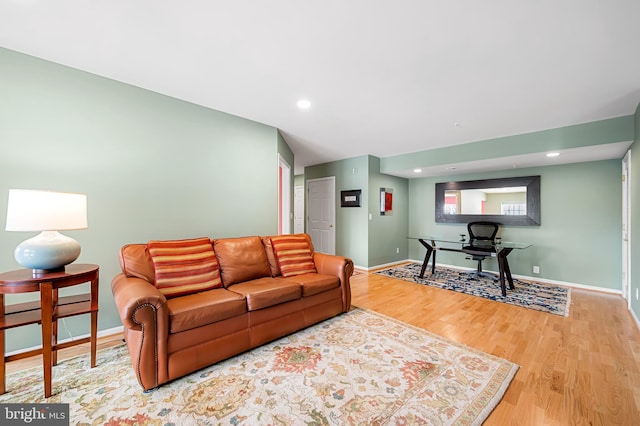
(360, 368)
(529, 294)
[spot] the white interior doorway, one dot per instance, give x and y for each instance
(284, 196)
(626, 227)
(321, 211)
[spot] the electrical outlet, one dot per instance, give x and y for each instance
(397, 249)
(536, 269)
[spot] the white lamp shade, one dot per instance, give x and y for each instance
(49, 212)
(34, 210)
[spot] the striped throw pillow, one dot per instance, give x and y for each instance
(293, 254)
(184, 266)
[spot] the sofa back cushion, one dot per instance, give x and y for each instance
(184, 266)
(241, 259)
(271, 257)
(136, 262)
(294, 254)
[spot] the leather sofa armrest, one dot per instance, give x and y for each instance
(339, 266)
(144, 314)
(130, 294)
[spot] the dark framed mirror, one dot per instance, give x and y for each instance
(508, 201)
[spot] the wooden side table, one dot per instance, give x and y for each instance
(48, 311)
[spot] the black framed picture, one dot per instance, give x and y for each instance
(350, 198)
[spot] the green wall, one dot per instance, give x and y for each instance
(368, 242)
(153, 167)
(387, 234)
(635, 217)
(578, 240)
(351, 222)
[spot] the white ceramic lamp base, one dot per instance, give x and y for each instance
(47, 252)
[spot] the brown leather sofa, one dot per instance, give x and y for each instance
(171, 337)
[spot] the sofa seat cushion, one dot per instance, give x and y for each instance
(197, 310)
(313, 284)
(265, 292)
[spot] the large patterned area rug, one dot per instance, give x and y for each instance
(360, 368)
(529, 294)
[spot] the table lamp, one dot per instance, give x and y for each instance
(49, 212)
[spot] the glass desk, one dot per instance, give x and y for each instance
(499, 249)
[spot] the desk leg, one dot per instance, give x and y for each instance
(430, 251)
(501, 275)
(505, 272)
(3, 388)
(433, 258)
(46, 305)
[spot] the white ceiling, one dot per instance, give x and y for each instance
(383, 78)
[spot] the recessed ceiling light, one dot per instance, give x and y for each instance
(451, 168)
(304, 104)
(417, 170)
(553, 154)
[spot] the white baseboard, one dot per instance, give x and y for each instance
(110, 331)
(570, 284)
(635, 318)
(385, 265)
(101, 333)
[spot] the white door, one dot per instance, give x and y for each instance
(298, 209)
(626, 225)
(321, 210)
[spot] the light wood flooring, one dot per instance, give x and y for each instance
(583, 369)
(580, 370)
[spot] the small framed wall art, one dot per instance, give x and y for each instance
(386, 201)
(350, 198)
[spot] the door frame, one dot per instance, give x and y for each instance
(284, 196)
(626, 227)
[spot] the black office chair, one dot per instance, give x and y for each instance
(482, 237)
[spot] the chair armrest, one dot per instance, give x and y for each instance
(339, 266)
